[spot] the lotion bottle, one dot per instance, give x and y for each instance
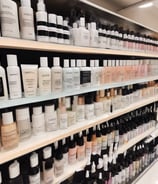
(34, 171)
(76, 75)
(14, 79)
(26, 20)
(3, 84)
(14, 173)
(9, 19)
(9, 132)
(44, 74)
(38, 121)
(56, 71)
(42, 22)
(52, 28)
(93, 35)
(62, 115)
(60, 31)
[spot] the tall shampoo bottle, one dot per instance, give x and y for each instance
(44, 74)
(9, 19)
(3, 84)
(14, 79)
(76, 75)
(26, 20)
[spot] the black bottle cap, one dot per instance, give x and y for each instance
(72, 143)
(59, 154)
(49, 163)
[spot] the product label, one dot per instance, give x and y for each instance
(24, 128)
(98, 108)
(26, 19)
(71, 118)
(85, 77)
(45, 82)
(67, 79)
(56, 80)
(76, 78)
(35, 179)
(72, 155)
(80, 152)
(51, 121)
(58, 168)
(63, 121)
(89, 111)
(1, 87)
(80, 112)
(48, 176)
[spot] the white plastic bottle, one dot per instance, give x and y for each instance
(38, 121)
(44, 75)
(93, 35)
(62, 115)
(42, 21)
(66, 32)
(60, 31)
(56, 71)
(50, 118)
(3, 84)
(74, 34)
(23, 122)
(9, 19)
(83, 34)
(52, 28)
(26, 20)
(67, 76)
(98, 72)
(76, 75)
(14, 79)
(93, 72)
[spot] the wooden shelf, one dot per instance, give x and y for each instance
(10, 43)
(46, 138)
(133, 141)
(24, 101)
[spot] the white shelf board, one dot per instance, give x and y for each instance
(11, 43)
(24, 101)
(133, 141)
(45, 138)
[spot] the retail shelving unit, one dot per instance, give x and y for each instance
(36, 142)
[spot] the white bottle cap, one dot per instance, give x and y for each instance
(12, 60)
(73, 64)
(105, 62)
(66, 63)
(92, 63)
(7, 118)
(96, 63)
(100, 176)
(59, 20)
(22, 114)
(52, 18)
(93, 169)
(63, 141)
(87, 174)
(49, 108)
(26, 3)
(34, 160)
(14, 170)
(56, 61)
(82, 22)
(41, 6)
(56, 144)
(37, 110)
(0, 177)
(79, 63)
(44, 61)
(93, 25)
(74, 25)
(47, 152)
(65, 23)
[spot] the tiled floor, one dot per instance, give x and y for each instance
(151, 176)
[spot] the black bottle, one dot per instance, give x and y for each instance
(14, 173)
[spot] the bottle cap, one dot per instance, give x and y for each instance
(79, 63)
(93, 169)
(100, 176)
(87, 174)
(56, 61)
(22, 114)
(26, 3)
(47, 152)
(14, 170)
(12, 60)
(52, 18)
(100, 164)
(66, 63)
(34, 160)
(92, 63)
(41, 6)
(0, 177)
(82, 22)
(73, 64)
(96, 63)
(59, 20)
(93, 25)
(44, 61)
(7, 118)
(37, 110)
(49, 108)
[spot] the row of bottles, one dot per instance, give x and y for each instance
(101, 141)
(75, 74)
(78, 29)
(64, 112)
